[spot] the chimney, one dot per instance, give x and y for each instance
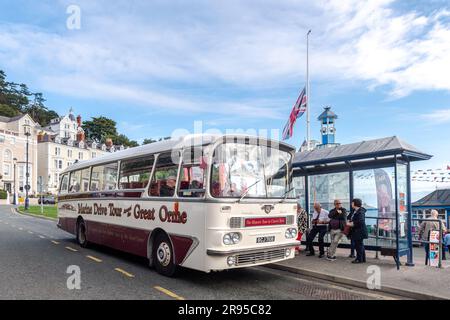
(79, 121)
(109, 143)
(80, 135)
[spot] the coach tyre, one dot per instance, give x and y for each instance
(163, 256)
(81, 234)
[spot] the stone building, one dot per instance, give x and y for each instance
(61, 144)
(13, 141)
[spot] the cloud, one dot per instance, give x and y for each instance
(82, 87)
(192, 56)
(439, 116)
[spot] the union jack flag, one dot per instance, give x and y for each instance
(297, 111)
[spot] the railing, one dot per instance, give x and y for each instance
(381, 237)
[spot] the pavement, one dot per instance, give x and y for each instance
(418, 282)
(35, 257)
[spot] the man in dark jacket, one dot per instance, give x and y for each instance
(359, 230)
(338, 219)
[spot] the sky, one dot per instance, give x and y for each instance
(159, 67)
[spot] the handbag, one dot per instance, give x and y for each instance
(347, 230)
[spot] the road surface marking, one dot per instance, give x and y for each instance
(94, 258)
(42, 237)
(21, 229)
(129, 275)
(71, 249)
(30, 232)
(6, 223)
(169, 293)
(55, 242)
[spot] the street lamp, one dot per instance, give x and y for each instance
(27, 132)
(14, 190)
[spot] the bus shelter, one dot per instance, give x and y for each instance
(377, 172)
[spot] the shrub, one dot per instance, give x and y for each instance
(3, 194)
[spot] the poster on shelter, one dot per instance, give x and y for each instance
(434, 248)
(385, 199)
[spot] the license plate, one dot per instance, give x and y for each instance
(265, 239)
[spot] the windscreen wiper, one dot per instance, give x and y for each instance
(285, 195)
(248, 189)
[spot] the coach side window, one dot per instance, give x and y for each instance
(192, 175)
(75, 184)
(164, 179)
(85, 176)
(104, 177)
(135, 173)
(64, 184)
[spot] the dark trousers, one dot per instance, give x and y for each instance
(321, 230)
(360, 250)
(427, 252)
(352, 247)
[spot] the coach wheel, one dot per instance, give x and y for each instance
(81, 234)
(163, 256)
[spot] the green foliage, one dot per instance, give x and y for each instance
(148, 141)
(151, 140)
(8, 111)
(121, 139)
(3, 194)
(16, 99)
(101, 128)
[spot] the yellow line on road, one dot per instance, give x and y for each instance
(71, 249)
(55, 242)
(129, 275)
(169, 293)
(94, 258)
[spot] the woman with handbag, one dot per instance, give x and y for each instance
(358, 230)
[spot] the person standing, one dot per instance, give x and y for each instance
(446, 242)
(425, 229)
(352, 242)
(359, 230)
(302, 224)
(338, 219)
(319, 222)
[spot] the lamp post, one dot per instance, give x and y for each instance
(14, 188)
(27, 131)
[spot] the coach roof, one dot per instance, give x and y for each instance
(191, 140)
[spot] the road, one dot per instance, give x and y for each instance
(35, 256)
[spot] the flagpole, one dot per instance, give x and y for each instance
(308, 144)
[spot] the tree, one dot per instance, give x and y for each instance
(148, 141)
(16, 99)
(8, 111)
(100, 128)
(121, 139)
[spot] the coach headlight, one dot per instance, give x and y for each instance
(290, 233)
(232, 238)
